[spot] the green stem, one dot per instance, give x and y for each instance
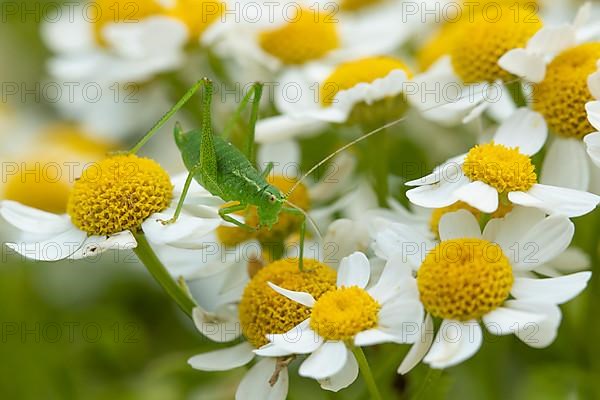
(367, 375)
(433, 375)
(161, 275)
(379, 154)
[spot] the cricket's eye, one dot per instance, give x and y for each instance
(272, 199)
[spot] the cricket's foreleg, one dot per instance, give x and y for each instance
(223, 213)
(184, 192)
(301, 214)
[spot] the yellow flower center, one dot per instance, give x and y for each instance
(365, 70)
(342, 313)
(286, 225)
(263, 311)
(504, 168)
(197, 15)
(464, 279)
(118, 194)
(481, 42)
(562, 95)
(353, 5)
(439, 44)
(308, 36)
(104, 12)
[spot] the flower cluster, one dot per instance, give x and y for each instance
(301, 267)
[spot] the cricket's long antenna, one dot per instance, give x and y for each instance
(341, 149)
(308, 217)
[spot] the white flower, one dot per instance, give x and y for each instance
(389, 311)
(502, 167)
(593, 110)
(50, 237)
(498, 262)
(530, 62)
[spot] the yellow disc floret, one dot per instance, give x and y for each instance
(342, 313)
(504, 168)
(464, 279)
(562, 95)
(118, 194)
(263, 311)
(481, 42)
(197, 15)
(308, 36)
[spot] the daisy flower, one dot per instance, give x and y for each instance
(349, 316)
(315, 34)
(251, 316)
(501, 171)
(466, 77)
(470, 277)
(593, 110)
(366, 91)
(111, 201)
(561, 62)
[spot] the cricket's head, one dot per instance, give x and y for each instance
(270, 203)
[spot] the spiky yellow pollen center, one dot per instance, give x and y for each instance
(341, 314)
(308, 36)
(562, 95)
(481, 42)
(504, 168)
(464, 279)
(263, 311)
(119, 193)
(286, 225)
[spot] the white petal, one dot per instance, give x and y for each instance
(569, 261)
(401, 318)
(255, 384)
(459, 224)
(181, 233)
(455, 342)
(299, 297)
(282, 154)
(524, 64)
(271, 350)
(54, 248)
(541, 243)
(437, 195)
(566, 165)
(552, 40)
(328, 360)
(479, 195)
(29, 219)
(593, 113)
(541, 334)
(301, 339)
(592, 142)
(95, 245)
(404, 242)
(420, 348)
(448, 172)
(557, 200)
(594, 86)
(223, 360)
(372, 337)
(344, 378)
(218, 328)
(285, 127)
(525, 129)
(550, 290)
(354, 271)
(506, 320)
(396, 273)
